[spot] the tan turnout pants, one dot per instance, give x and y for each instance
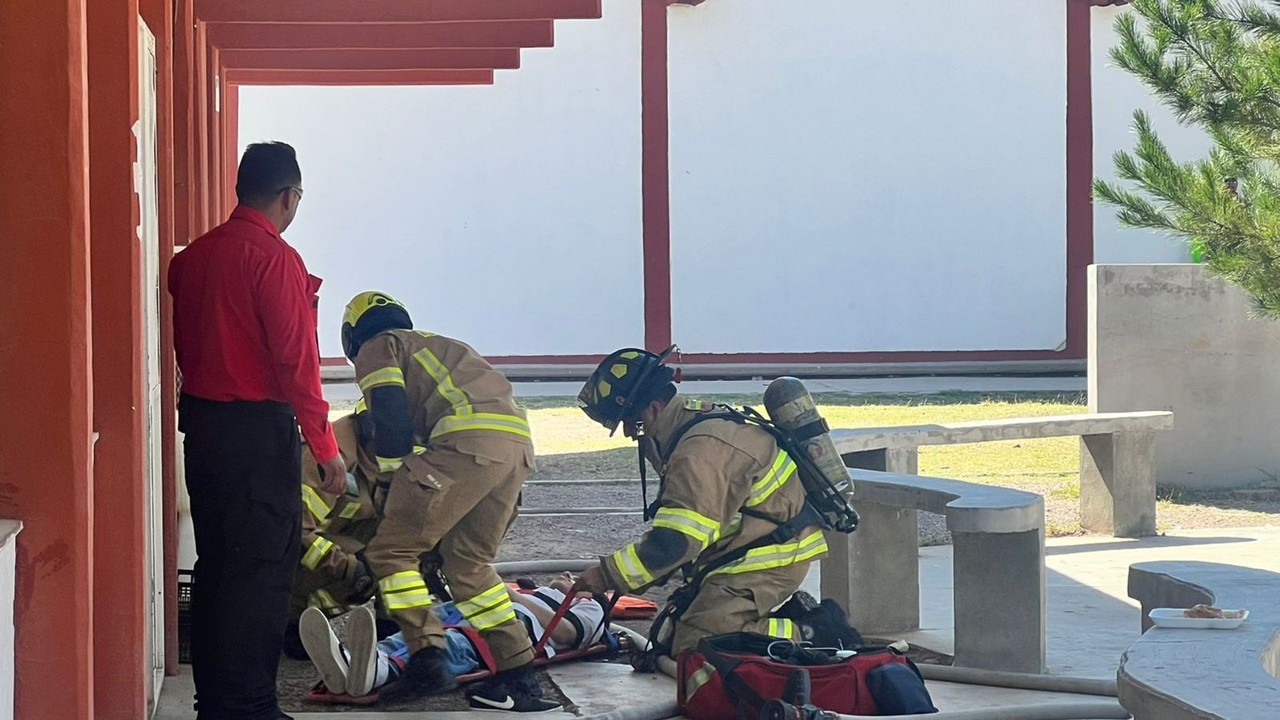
(459, 497)
(740, 603)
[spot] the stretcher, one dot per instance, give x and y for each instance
(625, 607)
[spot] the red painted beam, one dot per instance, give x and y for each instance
(359, 77)
(383, 36)
(501, 59)
(392, 11)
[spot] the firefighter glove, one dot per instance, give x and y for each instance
(361, 581)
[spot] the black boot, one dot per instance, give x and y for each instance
(427, 673)
(514, 691)
(800, 604)
(828, 626)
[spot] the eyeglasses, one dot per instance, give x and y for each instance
(294, 188)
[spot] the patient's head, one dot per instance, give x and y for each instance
(564, 582)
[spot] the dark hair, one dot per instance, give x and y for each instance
(265, 170)
(662, 393)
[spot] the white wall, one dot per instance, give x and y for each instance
(9, 530)
(507, 216)
(1116, 94)
(894, 170)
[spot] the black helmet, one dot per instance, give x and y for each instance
(623, 381)
(368, 314)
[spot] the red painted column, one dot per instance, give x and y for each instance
(218, 212)
(159, 15)
(655, 175)
(119, 398)
(184, 131)
(230, 140)
(200, 111)
(46, 435)
(1079, 169)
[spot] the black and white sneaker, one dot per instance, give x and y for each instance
(515, 691)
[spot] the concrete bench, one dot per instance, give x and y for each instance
(998, 565)
(1117, 458)
(1176, 674)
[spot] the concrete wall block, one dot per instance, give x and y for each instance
(1173, 337)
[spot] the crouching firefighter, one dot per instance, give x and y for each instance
(453, 451)
(332, 574)
(730, 513)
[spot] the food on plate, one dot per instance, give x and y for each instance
(1211, 612)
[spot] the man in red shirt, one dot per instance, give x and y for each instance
(244, 328)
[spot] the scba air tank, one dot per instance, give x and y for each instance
(791, 406)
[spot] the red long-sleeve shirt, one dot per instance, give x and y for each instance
(244, 323)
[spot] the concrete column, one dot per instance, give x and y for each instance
(46, 435)
(875, 571)
(1118, 484)
(999, 600)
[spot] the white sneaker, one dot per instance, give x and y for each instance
(322, 646)
(362, 638)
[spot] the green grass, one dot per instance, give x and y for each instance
(571, 446)
(559, 428)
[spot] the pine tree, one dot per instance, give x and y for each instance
(1216, 65)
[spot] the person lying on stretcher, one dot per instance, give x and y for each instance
(363, 664)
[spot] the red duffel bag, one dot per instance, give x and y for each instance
(734, 675)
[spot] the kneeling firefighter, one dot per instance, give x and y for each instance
(731, 513)
(333, 575)
(453, 451)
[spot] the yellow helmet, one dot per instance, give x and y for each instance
(368, 314)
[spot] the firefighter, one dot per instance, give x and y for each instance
(453, 451)
(332, 574)
(725, 486)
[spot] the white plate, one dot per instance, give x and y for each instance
(1173, 618)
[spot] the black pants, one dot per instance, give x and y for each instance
(243, 465)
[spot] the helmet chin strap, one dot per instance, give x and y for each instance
(644, 485)
(649, 510)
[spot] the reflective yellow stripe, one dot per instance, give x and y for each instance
(323, 600)
(315, 503)
(444, 382)
(386, 465)
(349, 510)
(634, 573)
(385, 376)
(780, 628)
(319, 548)
(701, 528)
(781, 471)
(404, 580)
(503, 612)
(482, 421)
(483, 601)
(404, 590)
(407, 599)
(775, 556)
(488, 609)
(698, 679)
